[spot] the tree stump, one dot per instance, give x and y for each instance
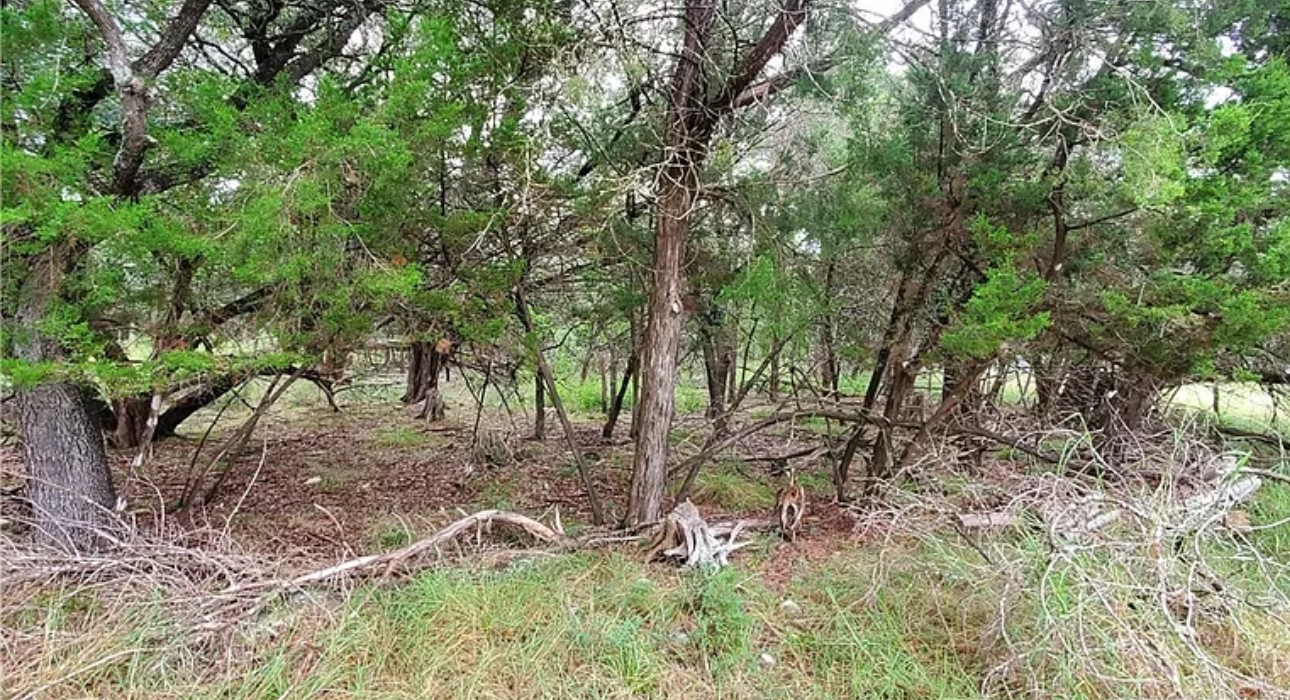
(491, 449)
(685, 537)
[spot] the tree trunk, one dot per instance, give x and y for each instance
(829, 361)
(606, 377)
(67, 475)
(546, 375)
(616, 407)
(969, 400)
(68, 481)
(636, 401)
(772, 382)
(539, 408)
(828, 346)
(661, 347)
(426, 362)
(418, 372)
(131, 414)
(433, 408)
(687, 135)
(718, 361)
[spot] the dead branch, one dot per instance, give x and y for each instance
(470, 523)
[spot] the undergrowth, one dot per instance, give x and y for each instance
(926, 617)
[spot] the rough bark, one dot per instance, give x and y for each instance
(68, 481)
(425, 363)
(131, 413)
(662, 345)
(687, 135)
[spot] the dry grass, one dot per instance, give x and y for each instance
(1171, 598)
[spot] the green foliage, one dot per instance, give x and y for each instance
(1003, 308)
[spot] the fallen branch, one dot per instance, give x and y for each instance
(473, 522)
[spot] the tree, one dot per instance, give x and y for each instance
(89, 227)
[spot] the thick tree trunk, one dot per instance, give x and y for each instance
(426, 363)
(68, 481)
(432, 409)
(131, 414)
(418, 377)
(67, 476)
(969, 399)
(902, 383)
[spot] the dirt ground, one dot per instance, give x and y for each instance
(318, 484)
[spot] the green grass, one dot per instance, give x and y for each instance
(400, 436)
(912, 619)
(1270, 511)
(724, 485)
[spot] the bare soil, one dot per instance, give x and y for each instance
(318, 484)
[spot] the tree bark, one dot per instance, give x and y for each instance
(719, 350)
(829, 361)
(772, 381)
(418, 378)
(432, 409)
(539, 408)
(661, 347)
(131, 414)
(68, 481)
(828, 345)
(687, 136)
(67, 474)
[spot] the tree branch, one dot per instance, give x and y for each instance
(770, 45)
(176, 33)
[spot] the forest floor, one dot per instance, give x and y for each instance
(894, 598)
